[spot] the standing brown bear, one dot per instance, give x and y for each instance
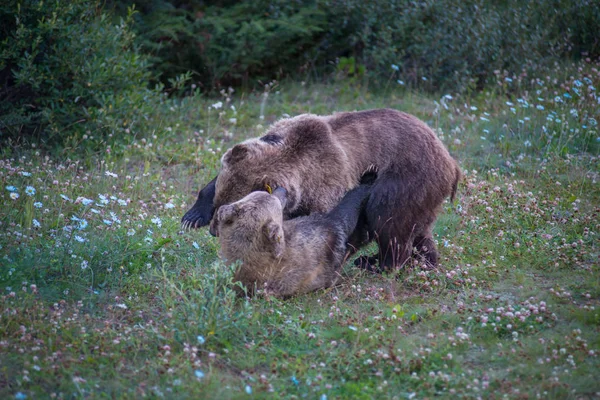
(319, 158)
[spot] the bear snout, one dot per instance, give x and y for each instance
(213, 228)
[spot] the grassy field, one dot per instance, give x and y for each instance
(104, 296)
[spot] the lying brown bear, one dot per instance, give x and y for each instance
(319, 158)
(288, 257)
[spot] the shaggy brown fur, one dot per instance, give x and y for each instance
(319, 158)
(286, 257)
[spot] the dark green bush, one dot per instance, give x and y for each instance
(452, 44)
(229, 43)
(457, 45)
(67, 70)
(70, 70)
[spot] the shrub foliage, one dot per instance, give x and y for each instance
(73, 69)
(452, 45)
(67, 70)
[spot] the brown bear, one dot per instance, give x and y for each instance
(318, 158)
(287, 257)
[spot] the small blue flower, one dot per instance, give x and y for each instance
(400, 82)
(200, 339)
(81, 223)
(196, 245)
(107, 222)
(29, 190)
(37, 204)
(114, 217)
(199, 374)
(294, 380)
(36, 223)
(156, 221)
(11, 188)
(540, 107)
(64, 197)
(577, 83)
(395, 67)
(567, 95)
(248, 389)
(20, 396)
(24, 173)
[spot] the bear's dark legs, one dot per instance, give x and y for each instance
(425, 248)
(202, 211)
(360, 235)
(368, 263)
(394, 251)
(397, 220)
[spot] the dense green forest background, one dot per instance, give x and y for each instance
(70, 69)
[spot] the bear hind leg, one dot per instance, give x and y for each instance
(425, 248)
(423, 242)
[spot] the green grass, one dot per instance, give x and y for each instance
(104, 296)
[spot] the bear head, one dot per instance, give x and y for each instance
(281, 157)
(252, 224)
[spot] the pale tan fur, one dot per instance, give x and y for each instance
(283, 258)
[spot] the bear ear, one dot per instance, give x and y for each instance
(308, 133)
(226, 213)
(237, 153)
(273, 233)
